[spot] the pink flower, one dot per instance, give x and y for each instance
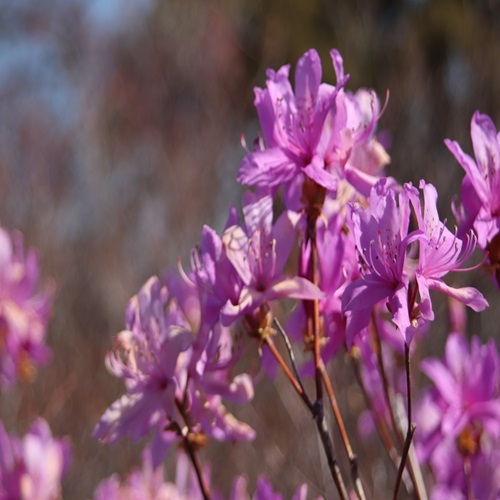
(172, 376)
(24, 312)
(32, 467)
(148, 483)
(318, 131)
(382, 240)
(459, 417)
(148, 358)
(466, 390)
(388, 270)
(440, 252)
(481, 185)
(259, 251)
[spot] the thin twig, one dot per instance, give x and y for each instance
(319, 417)
(297, 385)
(406, 448)
(353, 459)
(317, 412)
(377, 347)
(411, 426)
(414, 467)
(205, 490)
(289, 348)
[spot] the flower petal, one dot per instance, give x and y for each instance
(267, 168)
(468, 295)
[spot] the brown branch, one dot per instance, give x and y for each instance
(406, 448)
(317, 412)
(353, 459)
(411, 426)
(299, 388)
(185, 432)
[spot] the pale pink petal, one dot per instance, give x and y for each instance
(316, 171)
(296, 288)
(307, 80)
(468, 295)
(268, 168)
(235, 242)
(484, 141)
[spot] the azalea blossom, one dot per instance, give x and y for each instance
(481, 185)
(154, 357)
(387, 264)
(217, 280)
(440, 252)
(259, 251)
(382, 240)
(318, 132)
(24, 312)
(152, 365)
(148, 483)
(466, 391)
(31, 468)
(459, 417)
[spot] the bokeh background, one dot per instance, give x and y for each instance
(120, 125)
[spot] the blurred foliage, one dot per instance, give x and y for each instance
(119, 138)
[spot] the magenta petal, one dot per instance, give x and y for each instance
(357, 321)
(364, 293)
(284, 234)
(161, 443)
(211, 248)
(239, 391)
(267, 115)
(442, 379)
(267, 168)
(132, 415)
(362, 181)
(338, 64)
(484, 141)
(235, 242)
(400, 315)
(316, 171)
(249, 299)
(307, 80)
(470, 168)
(468, 295)
(179, 340)
(296, 288)
(257, 212)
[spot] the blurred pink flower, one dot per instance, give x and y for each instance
(459, 418)
(148, 358)
(24, 312)
(465, 396)
(167, 387)
(31, 468)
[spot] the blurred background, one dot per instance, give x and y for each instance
(120, 125)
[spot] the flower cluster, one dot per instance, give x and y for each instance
(360, 253)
